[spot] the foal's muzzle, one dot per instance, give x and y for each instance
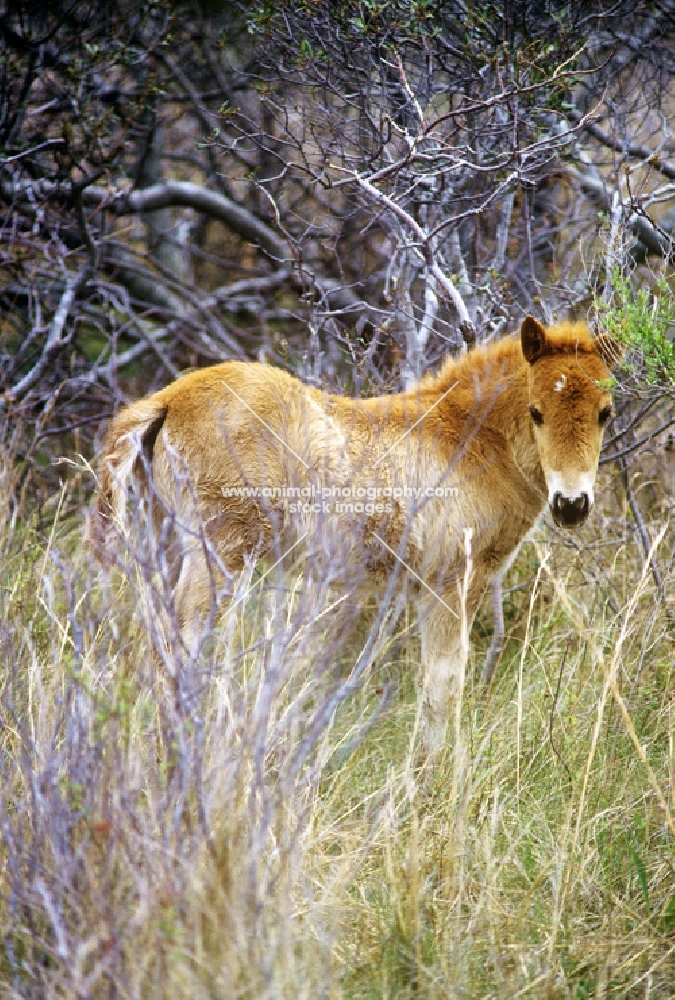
(569, 513)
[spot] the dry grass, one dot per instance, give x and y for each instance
(255, 824)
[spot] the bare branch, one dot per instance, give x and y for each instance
(40, 148)
(466, 325)
(191, 195)
(639, 224)
(55, 339)
(636, 149)
(168, 193)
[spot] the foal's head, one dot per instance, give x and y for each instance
(569, 405)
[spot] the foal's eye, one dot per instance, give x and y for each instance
(604, 415)
(536, 415)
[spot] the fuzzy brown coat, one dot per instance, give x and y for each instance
(444, 480)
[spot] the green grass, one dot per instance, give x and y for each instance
(162, 836)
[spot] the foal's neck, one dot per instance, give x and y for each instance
(492, 388)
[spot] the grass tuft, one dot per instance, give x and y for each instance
(256, 823)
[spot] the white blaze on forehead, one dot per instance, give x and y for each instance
(561, 383)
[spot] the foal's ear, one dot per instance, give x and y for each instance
(532, 339)
(609, 350)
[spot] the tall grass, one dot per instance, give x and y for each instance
(257, 823)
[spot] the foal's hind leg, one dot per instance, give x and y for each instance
(196, 595)
(212, 560)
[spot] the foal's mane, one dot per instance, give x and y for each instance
(503, 357)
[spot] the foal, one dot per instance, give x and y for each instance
(441, 482)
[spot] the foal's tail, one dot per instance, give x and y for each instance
(126, 462)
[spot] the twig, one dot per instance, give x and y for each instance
(635, 149)
(466, 326)
(616, 456)
(552, 715)
(503, 231)
(528, 239)
(645, 540)
(55, 339)
(611, 255)
(497, 643)
(48, 144)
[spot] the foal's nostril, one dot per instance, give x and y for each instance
(567, 512)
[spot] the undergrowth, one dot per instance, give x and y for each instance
(258, 824)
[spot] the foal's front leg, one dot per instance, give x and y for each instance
(445, 626)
